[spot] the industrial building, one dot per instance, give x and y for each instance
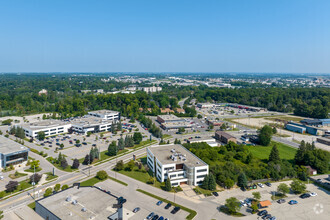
(50, 127)
(316, 122)
(11, 152)
(106, 114)
(177, 163)
(80, 203)
(210, 141)
(224, 137)
(169, 118)
(300, 128)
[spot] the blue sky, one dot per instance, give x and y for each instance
(165, 36)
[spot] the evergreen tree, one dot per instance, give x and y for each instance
(137, 137)
(265, 135)
(64, 163)
(168, 185)
(212, 183)
(112, 149)
(121, 144)
(86, 160)
(205, 183)
(75, 164)
(274, 155)
(241, 180)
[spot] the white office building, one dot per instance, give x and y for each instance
(106, 114)
(177, 163)
(90, 123)
(50, 127)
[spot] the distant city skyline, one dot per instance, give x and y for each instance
(236, 36)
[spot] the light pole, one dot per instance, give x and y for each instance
(33, 183)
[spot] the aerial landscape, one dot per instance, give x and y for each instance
(158, 110)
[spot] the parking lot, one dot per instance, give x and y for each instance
(135, 199)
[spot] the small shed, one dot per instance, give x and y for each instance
(264, 204)
(311, 171)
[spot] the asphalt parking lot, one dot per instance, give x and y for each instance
(135, 199)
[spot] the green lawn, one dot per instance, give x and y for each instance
(23, 185)
(50, 176)
(105, 156)
(31, 170)
(17, 175)
(262, 152)
(32, 205)
(144, 143)
(91, 182)
(58, 166)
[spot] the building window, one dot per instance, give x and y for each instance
(201, 176)
(203, 170)
(174, 184)
(180, 174)
(171, 176)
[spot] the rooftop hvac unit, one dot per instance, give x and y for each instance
(83, 209)
(74, 202)
(68, 199)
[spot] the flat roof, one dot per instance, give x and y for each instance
(44, 124)
(225, 134)
(176, 124)
(8, 146)
(198, 140)
(98, 204)
(164, 152)
(104, 112)
(89, 120)
(170, 117)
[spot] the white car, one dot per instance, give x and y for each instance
(313, 194)
(261, 185)
(243, 203)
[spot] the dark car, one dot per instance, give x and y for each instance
(136, 209)
(42, 144)
(78, 145)
(215, 193)
(94, 145)
(175, 210)
(305, 195)
(84, 143)
(50, 146)
(168, 206)
(58, 144)
(150, 215)
(280, 201)
(268, 184)
(263, 212)
(155, 217)
(268, 216)
(159, 203)
(161, 218)
(243, 189)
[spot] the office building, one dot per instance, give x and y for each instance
(11, 152)
(50, 127)
(92, 124)
(177, 163)
(224, 137)
(106, 114)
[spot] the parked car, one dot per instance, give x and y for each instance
(273, 218)
(242, 203)
(168, 205)
(94, 145)
(84, 143)
(159, 203)
(243, 189)
(293, 202)
(175, 210)
(268, 184)
(305, 195)
(280, 201)
(261, 185)
(262, 213)
(155, 217)
(150, 215)
(268, 216)
(161, 218)
(136, 209)
(215, 193)
(313, 194)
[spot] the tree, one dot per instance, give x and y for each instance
(254, 206)
(199, 116)
(64, 187)
(64, 163)
(1, 214)
(11, 186)
(229, 183)
(168, 186)
(212, 183)
(35, 178)
(137, 137)
(298, 186)
(61, 145)
(89, 133)
(57, 187)
(241, 180)
(102, 175)
(274, 130)
(112, 149)
(77, 141)
(75, 164)
(121, 144)
(181, 130)
(274, 155)
(283, 188)
(119, 166)
(130, 165)
(34, 164)
(256, 195)
(7, 122)
(205, 183)
(265, 135)
(48, 192)
(41, 135)
(232, 205)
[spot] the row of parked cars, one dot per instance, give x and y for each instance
(153, 216)
(265, 215)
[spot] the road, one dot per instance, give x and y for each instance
(181, 102)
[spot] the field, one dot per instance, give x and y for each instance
(287, 118)
(262, 152)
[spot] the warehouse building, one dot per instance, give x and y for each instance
(316, 122)
(106, 114)
(12, 153)
(50, 127)
(210, 141)
(224, 137)
(177, 163)
(80, 203)
(300, 128)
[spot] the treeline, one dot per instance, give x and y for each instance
(231, 161)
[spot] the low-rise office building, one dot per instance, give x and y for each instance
(50, 127)
(12, 153)
(177, 163)
(80, 203)
(106, 114)
(224, 137)
(175, 125)
(92, 124)
(150, 89)
(169, 118)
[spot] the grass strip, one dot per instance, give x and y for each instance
(191, 212)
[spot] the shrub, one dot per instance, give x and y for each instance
(35, 177)
(48, 192)
(102, 175)
(64, 187)
(11, 186)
